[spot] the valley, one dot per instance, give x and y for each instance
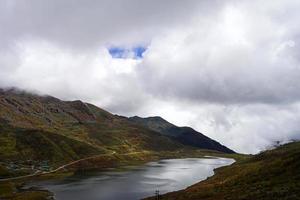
(43, 137)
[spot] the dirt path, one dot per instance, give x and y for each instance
(63, 166)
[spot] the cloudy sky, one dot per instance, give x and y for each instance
(229, 69)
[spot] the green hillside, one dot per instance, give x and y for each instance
(273, 174)
(79, 121)
(39, 134)
(19, 145)
(42, 131)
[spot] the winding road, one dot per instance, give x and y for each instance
(38, 173)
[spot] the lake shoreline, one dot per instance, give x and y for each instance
(164, 165)
(15, 186)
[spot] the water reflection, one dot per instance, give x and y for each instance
(135, 183)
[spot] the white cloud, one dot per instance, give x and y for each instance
(229, 69)
(91, 76)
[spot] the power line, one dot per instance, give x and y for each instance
(157, 194)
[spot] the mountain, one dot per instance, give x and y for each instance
(184, 135)
(40, 133)
(273, 174)
(43, 128)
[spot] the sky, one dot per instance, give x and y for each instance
(229, 69)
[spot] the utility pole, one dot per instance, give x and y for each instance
(157, 194)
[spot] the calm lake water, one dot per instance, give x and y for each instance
(135, 182)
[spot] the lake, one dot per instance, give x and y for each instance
(134, 183)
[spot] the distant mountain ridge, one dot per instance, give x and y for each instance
(184, 135)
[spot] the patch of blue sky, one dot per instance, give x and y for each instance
(124, 53)
(138, 51)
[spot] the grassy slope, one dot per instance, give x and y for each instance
(46, 128)
(274, 174)
(19, 144)
(40, 129)
(9, 192)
